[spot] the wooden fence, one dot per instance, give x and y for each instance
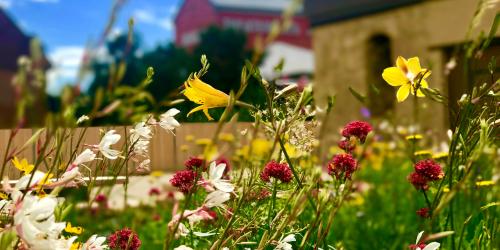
(167, 152)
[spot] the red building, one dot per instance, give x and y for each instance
(255, 18)
(252, 16)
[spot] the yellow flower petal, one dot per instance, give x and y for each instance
(199, 84)
(394, 76)
(402, 64)
(423, 84)
(403, 92)
(414, 65)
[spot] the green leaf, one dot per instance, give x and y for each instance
(358, 96)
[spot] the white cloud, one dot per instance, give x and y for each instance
(5, 4)
(65, 63)
(149, 17)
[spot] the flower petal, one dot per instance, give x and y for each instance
(403, 92)
(414, 65)
(432, 246)
(394, 76)
(402, 64)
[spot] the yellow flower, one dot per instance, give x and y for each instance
(441, 155)
(184, 148)
(75, 246)
(203, 141)
(228, 137)
(156, 173)
(3, 196)
(73, 230)
(189, 138)
(407, 74)
(201, 93)
(485, 183)
(446, 190)
(261, 147)
(23, 165)
(414, 137)
(423, 152)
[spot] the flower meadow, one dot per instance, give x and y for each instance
(274, 185)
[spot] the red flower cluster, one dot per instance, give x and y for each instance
(358, 129)
(425, 171)
(346, 145)
(193, 163)
(419, 245)
(280, 171)
(342, 165)
(429, 169)
(184, 180)
(423, 212)
(154, 191)
(124, 239)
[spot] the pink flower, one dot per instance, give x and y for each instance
(124, 239)
(342, 165)
(280, 171)
(154, 191)
(418, 181)
(184, 180)
(429, 169)
(423, 212)
(358, 129)
(193, 163)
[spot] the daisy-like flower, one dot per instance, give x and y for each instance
(284, 244)
(95, 243)
(214, 178)
(107, 140)
(201, 93)
(420, 245)
(408, 76)
(168, 121)
(23, 165)
(140, 131)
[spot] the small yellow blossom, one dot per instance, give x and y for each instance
(73, 230)
(228, 137)
(23, 165)
(414, 137)
(184, 148)
(441, 155)
(423, 152)
(201, 93)
(261, 147)
(189, 138)
(75, 246)
(446, 190)
(485, 183)
(203, 141)
(408, 75)
(3, 196)
(156, 173)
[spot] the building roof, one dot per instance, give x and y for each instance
(297, 60)
(251, 5)
(13, 42)
(328, 11)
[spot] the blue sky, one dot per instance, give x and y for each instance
(65, 27)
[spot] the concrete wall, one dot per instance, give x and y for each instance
(416, 30)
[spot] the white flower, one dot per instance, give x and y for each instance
(183, 247)
(35, 223)
(167, 120)
(215, 173)
(23, 181)
(430, 246)
(140, 131)
(216, 198)
(95, 243)
(86, 156)
(82, 119)
(284, 243)
(144, 166)
(107, 140)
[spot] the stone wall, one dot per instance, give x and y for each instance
(421, 30)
